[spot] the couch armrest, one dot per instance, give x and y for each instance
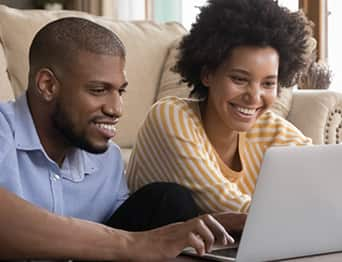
(318, 114)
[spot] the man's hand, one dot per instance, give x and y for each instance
(232, 222)
(168, 241)
(84, 240)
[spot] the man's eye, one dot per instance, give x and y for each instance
(97, 90)
(122, 91)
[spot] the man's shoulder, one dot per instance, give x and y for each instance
(6, 129)
(113, 149)
(7, 116)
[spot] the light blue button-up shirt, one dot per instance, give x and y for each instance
(87, 186)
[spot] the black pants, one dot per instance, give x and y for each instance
(154, 205)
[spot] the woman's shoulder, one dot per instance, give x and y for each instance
(271, 119)
(174, 103)
(273, 128)
(171, 110)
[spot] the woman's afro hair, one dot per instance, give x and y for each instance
(225, 24)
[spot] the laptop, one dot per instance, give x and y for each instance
(296, 210)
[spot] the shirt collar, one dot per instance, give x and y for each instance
(26, 137)
(77, 164)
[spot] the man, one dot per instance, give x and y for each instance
(57, 160)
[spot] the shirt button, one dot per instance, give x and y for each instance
(55, 177)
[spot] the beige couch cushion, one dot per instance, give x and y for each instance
(283, 103)
(147, 45)
(318, 114)
(6, 92)
(170, 84)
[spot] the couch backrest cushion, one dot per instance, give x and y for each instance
(170, 84)
(146, 43)
(6, 92)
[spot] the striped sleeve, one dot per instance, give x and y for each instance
(273, 130)
(171, 148)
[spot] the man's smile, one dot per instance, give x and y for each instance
(107, 129)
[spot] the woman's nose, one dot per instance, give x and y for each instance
(253, 93)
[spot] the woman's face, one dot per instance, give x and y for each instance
(242, 88)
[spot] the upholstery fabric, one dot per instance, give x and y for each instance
(6, 92)
(170, 82)
(318, 114)
(283, 103)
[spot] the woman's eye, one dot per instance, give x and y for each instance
(238, 79)
(270, 84)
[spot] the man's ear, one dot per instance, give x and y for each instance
(46, 84)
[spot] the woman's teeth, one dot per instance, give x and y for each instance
(246, 111)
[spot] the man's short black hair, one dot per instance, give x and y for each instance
(225, 24)
(58, 43)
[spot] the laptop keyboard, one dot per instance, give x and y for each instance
(228, 252)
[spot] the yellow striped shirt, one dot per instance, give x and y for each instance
(172, 146)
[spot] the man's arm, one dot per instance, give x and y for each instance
(31, 232)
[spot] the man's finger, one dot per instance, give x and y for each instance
(197, 243)
(221, 235)
(203, 231)
(232, 222)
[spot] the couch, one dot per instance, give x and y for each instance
(151, 52)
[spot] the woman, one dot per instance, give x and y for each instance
(235, 57)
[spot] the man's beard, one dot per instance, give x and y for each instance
(66, 128)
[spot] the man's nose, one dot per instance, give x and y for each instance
(253, 93)
(113, 106)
